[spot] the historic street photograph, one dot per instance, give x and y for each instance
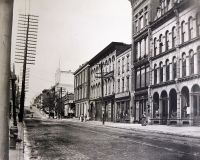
(100, 79)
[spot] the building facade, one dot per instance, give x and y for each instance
(102, 82)
(81, 90)
(142, 15)
(166, 61)
(123, 86)
(175, 63)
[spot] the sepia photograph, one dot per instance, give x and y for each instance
(100, 79)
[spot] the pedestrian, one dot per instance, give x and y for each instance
(144, 121)
(103, 121)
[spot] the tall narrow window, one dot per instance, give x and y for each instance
(118, 85)
(127, 81)
(146, 18)
(127, 64)
(110, 65)
(123, 65)
(190, 28)
(191, 53)
(155, 46)
(122, 84)
(198, 23)
(119, 67)
(138, 78)
(173, 37)
(141, 22)
(198, 57)
(183, 65)
(161, 72)
(167, 70)
(183, 31)
(167, 40)
(174, 67)
(160, 44)
(155, 74)
(136, 26)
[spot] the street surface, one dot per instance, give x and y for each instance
(67, 140)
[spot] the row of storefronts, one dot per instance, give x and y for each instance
(157, 75)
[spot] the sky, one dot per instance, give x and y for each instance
(71, 32)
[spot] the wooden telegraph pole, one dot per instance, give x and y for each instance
(6, 12)
(26, 50)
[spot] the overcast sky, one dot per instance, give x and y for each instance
(72, 31)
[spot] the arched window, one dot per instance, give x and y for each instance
(198, 23)
(110, 65)
(160, 44)
(190, 28)
(155, 46)
(167, 40)
(198, 56)
(183, 31)
(167, 70)
(113, 63)
(174, 67)
(173, 37)
(183, 65)
(161, 72)
(191, 53)
(155, 74)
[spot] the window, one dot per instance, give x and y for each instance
(123, 65)
(113, 63)
(190, 28)
(122, 84)
(198, 57)
(167, 40)
(173, 37)
(143, 77)
(146, 21)
(160, 44)
(155, 46)
(183, 65)
(127, 81)
(127, 67)
(119, 67)
(141, 22)
(138, 79)
(147, 77)
(191, 53)
(198, 23)
(183, 31)
(110, 65)
(174, 67)
(118, 85)
(161, 72)
(167, 70)
(136, 26)
(155, 74)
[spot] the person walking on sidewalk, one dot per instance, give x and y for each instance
(104, 116)
(144, 120)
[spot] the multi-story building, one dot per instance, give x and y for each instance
(123, 86)
(175, 63)
(143, 12)
(102, 81)
(166, 36)
(81, 90)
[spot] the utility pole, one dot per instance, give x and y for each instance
(6, 12)
(26, 50)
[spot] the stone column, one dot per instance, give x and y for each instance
(179, 97)
(191, 109)
(160, 109)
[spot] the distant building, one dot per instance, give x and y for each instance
(81, 90)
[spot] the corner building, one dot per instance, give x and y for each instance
(175, 63)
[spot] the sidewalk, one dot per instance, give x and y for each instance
(18, 153)
(184, 131)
